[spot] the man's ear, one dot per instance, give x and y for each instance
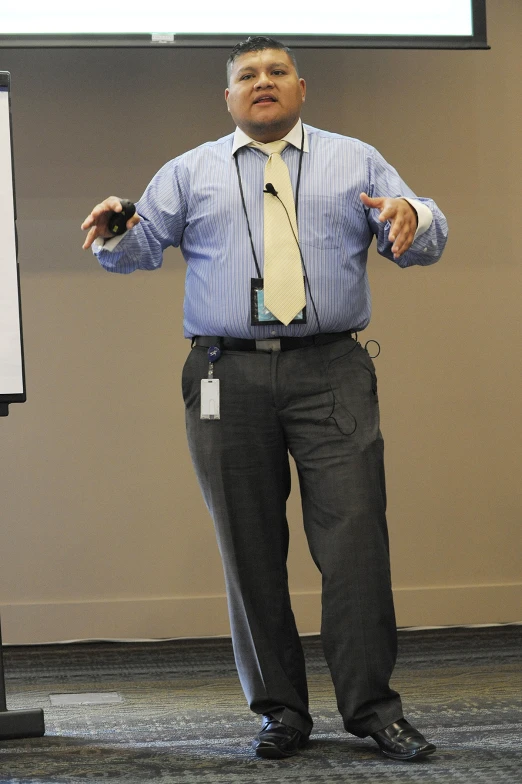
(303, 88)
(227, 93)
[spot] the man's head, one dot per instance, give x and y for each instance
(264, 93)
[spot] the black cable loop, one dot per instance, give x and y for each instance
(299, 174)
(372, 356)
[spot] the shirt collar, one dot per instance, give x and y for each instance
(292, 137)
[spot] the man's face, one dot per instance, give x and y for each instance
(265, 94)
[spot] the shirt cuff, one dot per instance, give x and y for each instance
(424, 216)
(111, 243)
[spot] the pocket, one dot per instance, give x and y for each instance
(353, 376)
(321, 221)
(368, 363)
(353, 381)
(189, 374)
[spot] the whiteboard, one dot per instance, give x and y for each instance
(351, 17)
(12, 378)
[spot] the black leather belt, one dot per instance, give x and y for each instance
(271, 344)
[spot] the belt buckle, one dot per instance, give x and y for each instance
(268, 345)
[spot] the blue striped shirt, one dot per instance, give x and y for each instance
(194, 203)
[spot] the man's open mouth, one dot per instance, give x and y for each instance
(265, 99)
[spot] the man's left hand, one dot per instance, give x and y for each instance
(402, 217)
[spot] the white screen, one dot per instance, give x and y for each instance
(330, 17)
(11, 375)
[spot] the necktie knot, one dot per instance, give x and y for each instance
(270, 148)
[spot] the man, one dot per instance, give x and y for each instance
(292, 379)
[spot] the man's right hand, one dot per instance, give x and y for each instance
(96, 224)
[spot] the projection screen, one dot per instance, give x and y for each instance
(329, 23)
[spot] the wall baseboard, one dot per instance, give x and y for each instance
(206, 616)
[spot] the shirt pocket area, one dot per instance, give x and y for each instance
(321, 221)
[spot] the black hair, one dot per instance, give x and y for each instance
(257, 43)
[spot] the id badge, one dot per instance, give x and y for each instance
(210, 398)
(259, 314)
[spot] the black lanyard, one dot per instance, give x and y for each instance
(296, 199)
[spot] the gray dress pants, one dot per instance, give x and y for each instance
(318, 403)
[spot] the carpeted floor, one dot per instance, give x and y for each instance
(182, 717)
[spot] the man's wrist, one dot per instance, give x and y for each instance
(424, 215)
(413, 208)
(109, 243)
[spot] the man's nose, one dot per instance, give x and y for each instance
(263, 82)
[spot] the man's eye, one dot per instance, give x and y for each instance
(279, 73)
(245, 76)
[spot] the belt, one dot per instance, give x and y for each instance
(283, 343)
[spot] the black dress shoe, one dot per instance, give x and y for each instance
(401, 741)
(277, 740)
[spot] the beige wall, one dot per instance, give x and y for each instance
(104, 533)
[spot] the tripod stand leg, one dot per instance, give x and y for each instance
(17, 723)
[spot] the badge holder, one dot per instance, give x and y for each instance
(210, 387)
(259, 313)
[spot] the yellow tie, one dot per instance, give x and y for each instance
(282, 271)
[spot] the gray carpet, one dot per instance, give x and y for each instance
(183, 717)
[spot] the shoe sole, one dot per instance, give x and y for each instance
(407, 757)
(270, 751)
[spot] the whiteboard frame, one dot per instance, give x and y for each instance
(17, 396)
